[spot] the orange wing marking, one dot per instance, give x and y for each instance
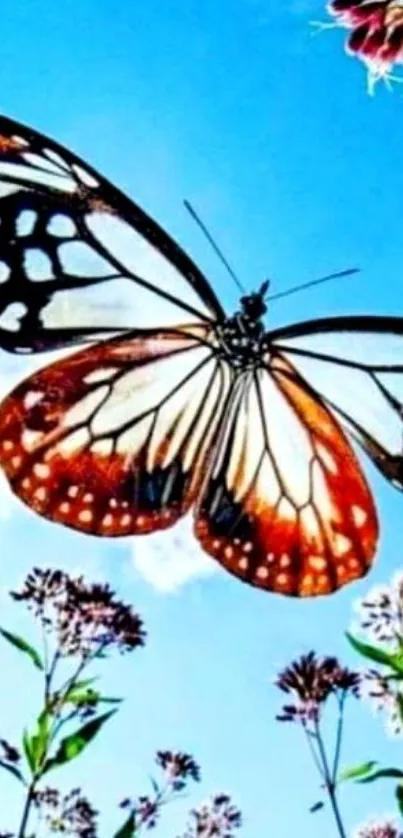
(272, 535)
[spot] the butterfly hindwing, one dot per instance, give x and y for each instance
(286, 506)
(110, 440)
(77, 257)
(355, 364)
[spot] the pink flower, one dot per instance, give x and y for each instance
(376, 35)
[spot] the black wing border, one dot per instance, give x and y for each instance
(128, 210)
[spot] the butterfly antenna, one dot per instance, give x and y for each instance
(215, 247)
(302, 287)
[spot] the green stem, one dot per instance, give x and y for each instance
(339, 737)
(27, 808)
(329, 782)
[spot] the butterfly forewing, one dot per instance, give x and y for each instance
(111, 439)
(286, 506)
(77, 257)
(356, 365)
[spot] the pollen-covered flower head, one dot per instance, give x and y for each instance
(376, 33)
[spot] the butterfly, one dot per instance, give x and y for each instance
(167, 403)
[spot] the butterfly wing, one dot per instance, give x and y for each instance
(355, 365)
(111, 439)
(78, 259)
(285, 505)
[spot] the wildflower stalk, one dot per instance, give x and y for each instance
(310, 682)
(329, 780)
(80, 624)
(27, 808)
(339, 736)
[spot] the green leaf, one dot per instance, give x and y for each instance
(81, 696)
(13, 770)
(26, 743)
(84, 683)
(73, 745)
(36, 745)
(128, 830)
(399, 797)
(376, 653)
(356, 771)
(89, 696)
(78, 686)
(40, 741)
(383, 773)
(23, 646)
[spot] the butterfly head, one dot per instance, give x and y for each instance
(253, 305)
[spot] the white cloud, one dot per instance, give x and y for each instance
(171, 558)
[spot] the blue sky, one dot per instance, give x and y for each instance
(270, 132)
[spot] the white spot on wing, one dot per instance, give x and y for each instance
(10, 318)
(342, 544)
(359, 515)
(26, 222)
(327, 459)
(38, 266)
(61, 226)
(81, 260)
(74, 442)
(40, 162)
(55, 157)
(321, 495)
(84, 409)
(85, 176)
(104, 447)
(102, 374)
(29, 439)
(32, 398)
(4, 272)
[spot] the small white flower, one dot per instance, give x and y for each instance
(387, 827)
(380, 612)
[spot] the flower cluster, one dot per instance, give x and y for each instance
(71, 814)
(310, 681)
(177, 768)
(85, 618)
(376, 33)
(144, 809)
(380, 619)
(378, 829)
(385, 697)
(218, 818)
(380, 613)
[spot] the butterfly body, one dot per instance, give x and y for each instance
(241, 338)
(168, 405)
